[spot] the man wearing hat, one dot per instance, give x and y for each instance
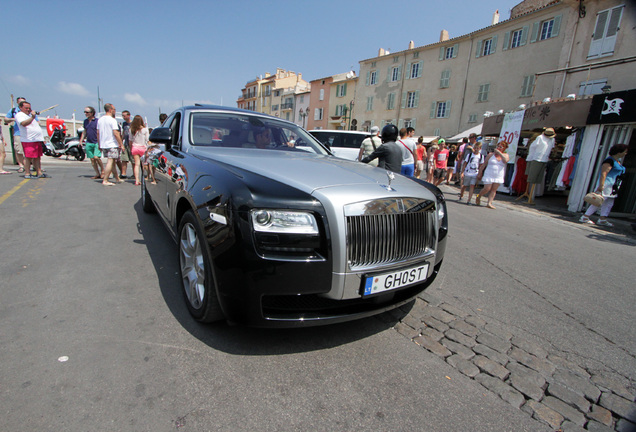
(538, 155)
(369, 145)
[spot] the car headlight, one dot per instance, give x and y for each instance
(441, 212)
(283, 222)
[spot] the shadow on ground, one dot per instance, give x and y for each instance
(238, 339)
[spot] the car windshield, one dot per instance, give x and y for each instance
(237, 130)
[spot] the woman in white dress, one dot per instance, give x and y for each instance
(491, 173)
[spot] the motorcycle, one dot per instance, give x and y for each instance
(59, 144)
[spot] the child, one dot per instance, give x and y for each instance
(469, 171)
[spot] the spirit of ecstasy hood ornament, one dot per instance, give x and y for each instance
(390, 176)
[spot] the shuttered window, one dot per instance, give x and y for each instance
(605, 31)
(444, 81)
(528, 86)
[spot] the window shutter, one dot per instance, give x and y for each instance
(420, 68)
(599, 32)
(403, 99)
(399, 73)
(337, 90)
(413, 123)
(557, 25)
(506, 41)
(455, 50)
(535, 32)
(493, 45)
(344, 90)
(416, 102)
(316, 114)
(442, 51)
(368, 77)
(524, 35)
(448, 109)
(389, 74)
(433, 109)
(615, 21)
(407, 71)
(400, 124)
(478, 53)
(612, 30)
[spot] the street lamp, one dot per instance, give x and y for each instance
(303, 114)
(347, 114)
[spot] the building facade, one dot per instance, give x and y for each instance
(273, 94)
(547, 49)
(319, 103)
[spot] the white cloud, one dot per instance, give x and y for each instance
(135, 98)
(72, 89)
(19, 80)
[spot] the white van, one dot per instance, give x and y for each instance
(343, 143)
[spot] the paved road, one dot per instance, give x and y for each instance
(95, 334)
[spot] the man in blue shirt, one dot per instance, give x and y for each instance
(17, 142)
(89, 136)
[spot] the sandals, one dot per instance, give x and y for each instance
(20, 170)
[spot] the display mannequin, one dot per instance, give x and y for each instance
(538, 155)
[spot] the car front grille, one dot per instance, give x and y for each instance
(390, 231)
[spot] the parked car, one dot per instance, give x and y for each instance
(342, 143)
(273, 230)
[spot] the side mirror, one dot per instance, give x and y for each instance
(161, 135)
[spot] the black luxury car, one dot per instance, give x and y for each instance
(273, 230)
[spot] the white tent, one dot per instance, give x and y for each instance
(459, 136)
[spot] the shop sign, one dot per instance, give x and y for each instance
(556, 114)
(617, 107)
(510, 132)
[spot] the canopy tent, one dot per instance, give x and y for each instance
(457, 138)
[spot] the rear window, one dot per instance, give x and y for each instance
(339, 139)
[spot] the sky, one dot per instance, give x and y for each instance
(154, 56)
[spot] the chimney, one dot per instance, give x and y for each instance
(380, 52)
(495, 17)
(444, 36)
(411, 45)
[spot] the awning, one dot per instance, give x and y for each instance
(475, 129)
(556, 114)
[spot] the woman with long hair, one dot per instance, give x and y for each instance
(139, 133)
(491, 173)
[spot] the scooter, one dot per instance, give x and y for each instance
(59, 145)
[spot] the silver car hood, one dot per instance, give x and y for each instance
(309, 172)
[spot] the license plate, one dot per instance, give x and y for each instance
(395, 279)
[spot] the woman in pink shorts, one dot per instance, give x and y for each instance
(139, 133)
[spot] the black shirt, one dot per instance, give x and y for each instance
(390, 156)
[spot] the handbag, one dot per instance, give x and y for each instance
(594, 198)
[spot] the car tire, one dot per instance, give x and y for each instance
(146, 202)
(199, 287)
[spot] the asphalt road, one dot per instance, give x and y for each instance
(95, 334)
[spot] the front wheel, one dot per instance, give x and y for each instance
(196, 271)
(80, 154)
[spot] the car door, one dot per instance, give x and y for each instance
(163, 172)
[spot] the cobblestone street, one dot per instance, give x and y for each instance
(536, 378)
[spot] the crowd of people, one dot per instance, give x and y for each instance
(120, 144)
(395, 150)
